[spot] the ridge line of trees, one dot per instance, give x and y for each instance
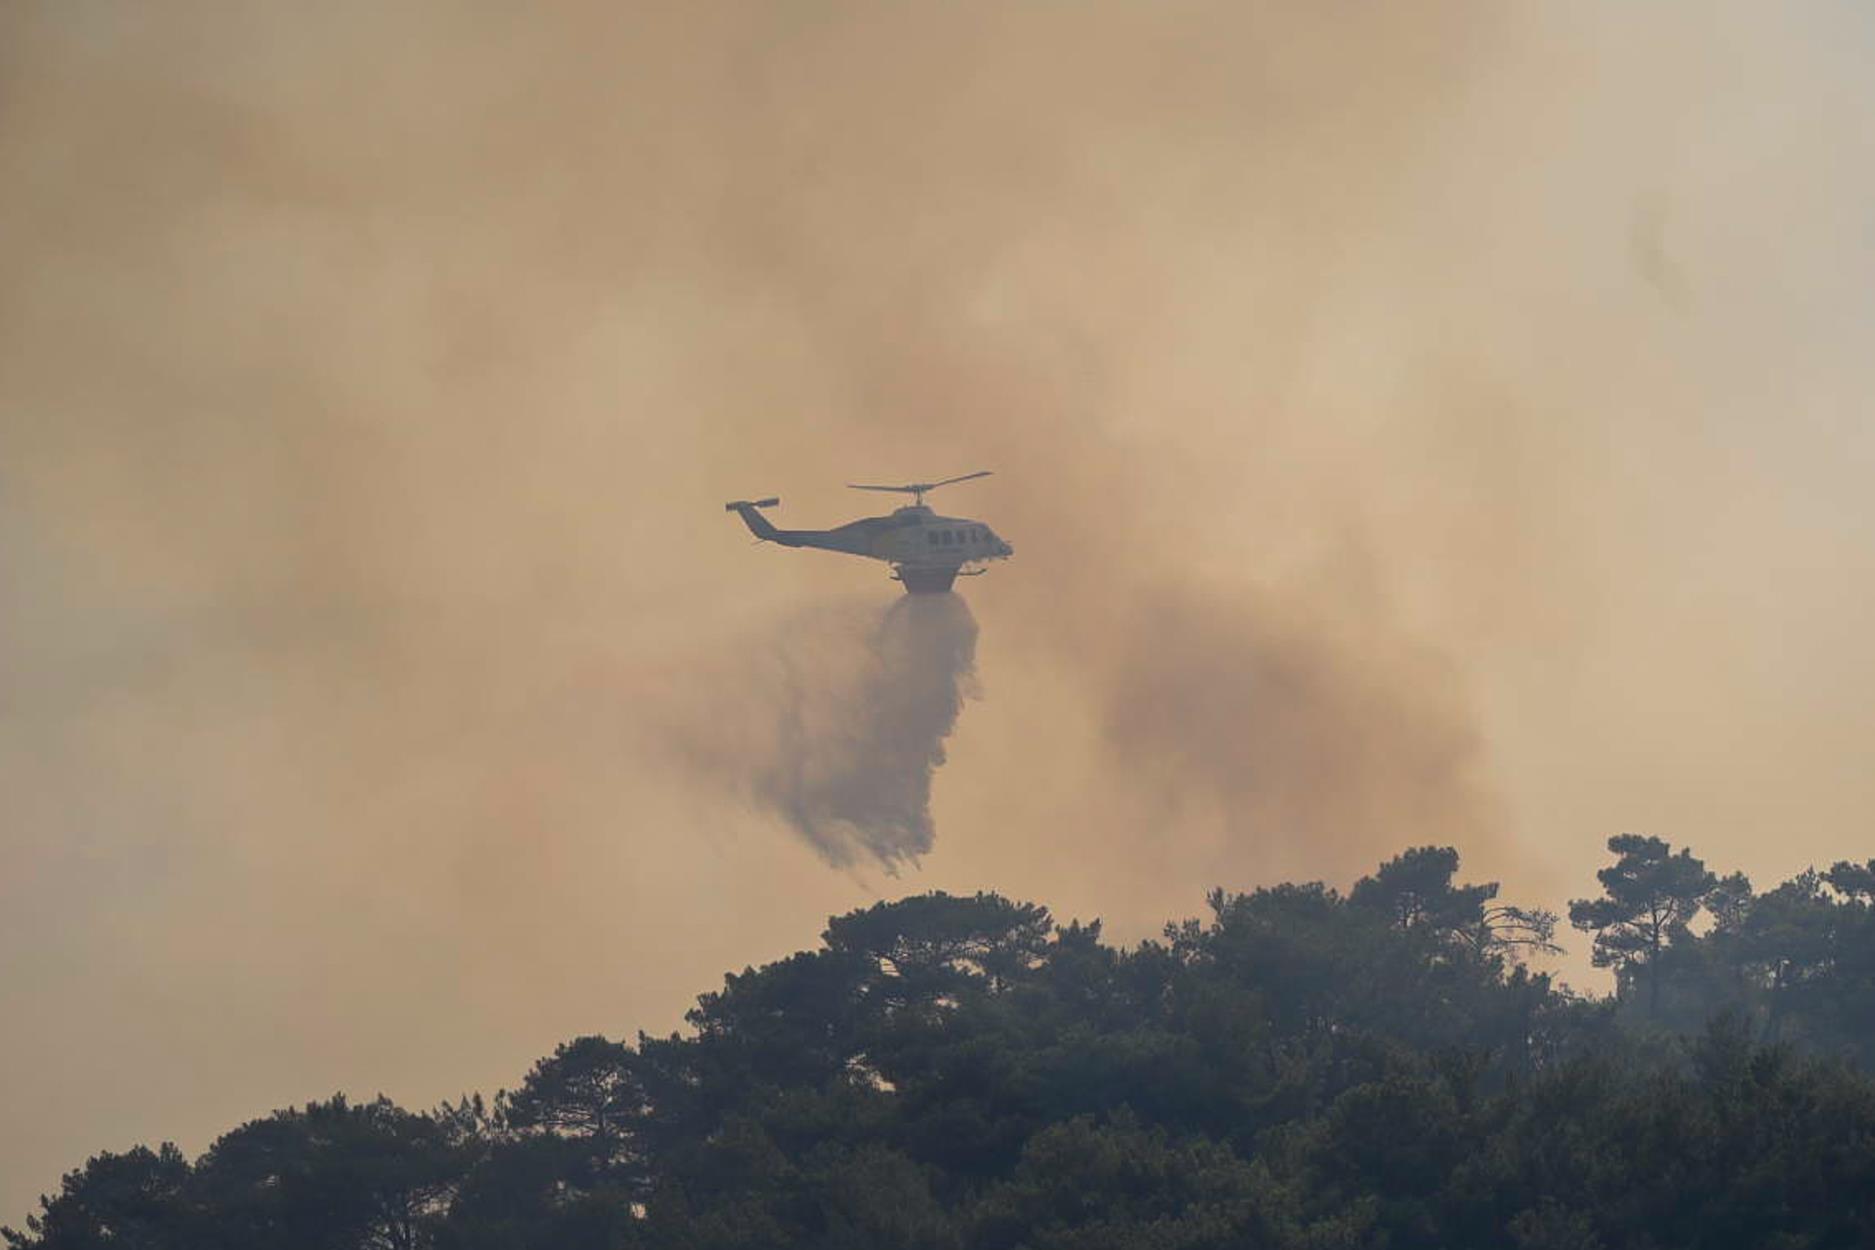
(1301, 1070)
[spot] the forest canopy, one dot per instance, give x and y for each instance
(1301, 1068)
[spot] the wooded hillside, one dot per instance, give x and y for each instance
(1301, 1069)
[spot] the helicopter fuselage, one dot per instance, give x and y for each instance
(926, 551)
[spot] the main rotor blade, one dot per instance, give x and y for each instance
(919, 488)
(965, 478)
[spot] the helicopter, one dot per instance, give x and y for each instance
(927, 552)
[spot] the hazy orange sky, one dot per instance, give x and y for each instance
(1442, 422)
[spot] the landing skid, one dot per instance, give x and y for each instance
(930, 581)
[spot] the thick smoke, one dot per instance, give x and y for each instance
(837, 723)
(1302, 735)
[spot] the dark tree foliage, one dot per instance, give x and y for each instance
(332, 1174)
(1299, 1070)
(1416, 890)
(588, 1097)
(1793, 964)
(1650, 897)
(132, 1200)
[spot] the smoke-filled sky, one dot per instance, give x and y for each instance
(1437, 422)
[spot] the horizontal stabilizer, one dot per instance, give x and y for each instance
(771, 502)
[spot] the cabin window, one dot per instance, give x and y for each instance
(931, 536)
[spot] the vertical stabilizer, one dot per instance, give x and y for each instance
(748, 510)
